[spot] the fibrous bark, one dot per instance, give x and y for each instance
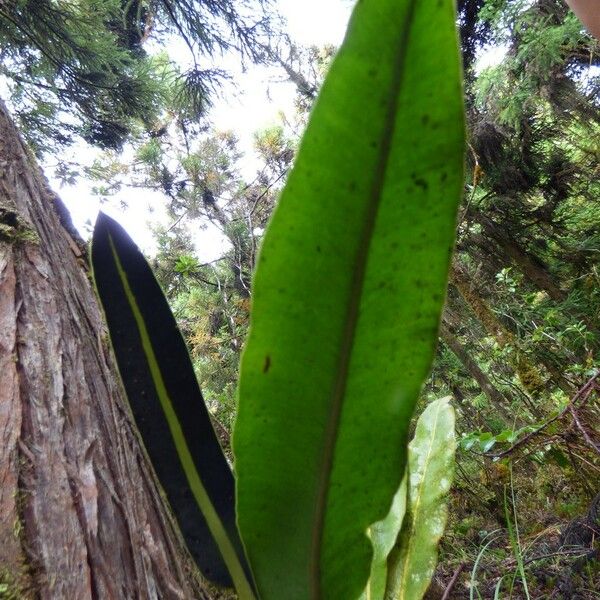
(80, 514)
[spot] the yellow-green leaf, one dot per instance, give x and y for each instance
(430, 472)
(383, 536)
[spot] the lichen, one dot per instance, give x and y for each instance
(15, 586)
(18, 232)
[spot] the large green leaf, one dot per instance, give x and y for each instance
(430, 470)
(168, 407)
(347, 296)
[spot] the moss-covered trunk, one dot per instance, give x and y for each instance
(80, 515)
(499, 400)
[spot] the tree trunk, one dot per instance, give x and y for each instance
(496, 397)
(80, 514)
(528, 373)
(531, 266)
(481, 310)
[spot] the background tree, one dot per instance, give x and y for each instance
(82, 69)
(522, 301)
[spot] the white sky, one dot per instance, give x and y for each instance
(260, 96)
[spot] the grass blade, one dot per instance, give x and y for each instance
(513, 533)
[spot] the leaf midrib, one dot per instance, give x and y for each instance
(352, 314)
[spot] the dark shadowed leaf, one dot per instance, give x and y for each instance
(167, 405)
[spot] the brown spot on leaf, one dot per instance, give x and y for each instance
(267, 364)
